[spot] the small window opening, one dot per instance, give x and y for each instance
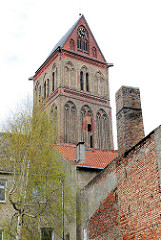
(87, 82)
(45, 89)
(89, 127)
(81, 80)
(91, 142)
(53, 88)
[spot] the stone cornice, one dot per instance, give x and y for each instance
(84, 58)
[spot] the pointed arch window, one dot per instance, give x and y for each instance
(100, 87)
(94, 52)
(69, 75)
(70, 123)
(84, 79)
(86, 118)
(81, 81)
(48, 88)
(54, 77)
(45, 89)
(102, 129)
(82, 39)
(53, 82)
(87, 82)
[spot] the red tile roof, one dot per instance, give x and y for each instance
(94, 158)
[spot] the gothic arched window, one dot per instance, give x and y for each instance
(100, 84)
(94, 52)
(84, 79)
(87, 82)
(70, 123)
(86, 120)
(54, 77)
(82, 39)
(102, 129)
(48, 88)
(81, 81)
(69, 75)
(45, 89)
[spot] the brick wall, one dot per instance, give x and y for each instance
(130, 129)
(104, 223)
(139, 192)
(100, 206)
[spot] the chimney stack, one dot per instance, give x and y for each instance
(80, 152)
(130, 129)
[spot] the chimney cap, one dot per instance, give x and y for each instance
(80, 143)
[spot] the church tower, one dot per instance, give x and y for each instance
(73, 84)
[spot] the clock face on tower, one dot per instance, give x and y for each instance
(82, 33)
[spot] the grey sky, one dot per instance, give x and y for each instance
(127, 31)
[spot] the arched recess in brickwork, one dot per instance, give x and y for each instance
(54, 77)
(69, 75)
(84, 79)
(54, 111)
(87, 125)
(72, 44)
(70, 114)
(102, 129)
(100, 85)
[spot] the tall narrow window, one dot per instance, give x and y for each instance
(48, 88)
(86, 119)
(94, 52)
(70, 123)
(91, 141)
(66, 133)
(45, 89)
(53, 85)
(80, 44)
(81, 80)
(87, 82)
(102, 129)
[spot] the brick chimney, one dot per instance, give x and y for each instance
(130, 129)
(80, 152)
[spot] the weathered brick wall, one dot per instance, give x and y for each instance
(139, 192)
(104, 224)
(130, 129)
(99, 204)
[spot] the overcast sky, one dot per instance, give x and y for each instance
(127, 31)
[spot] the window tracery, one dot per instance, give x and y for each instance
(102, 129)
(69, 75)
(87, 125)
(54, 77)
(70, 122)
(82, 39)
(84, 79)
(100, 84)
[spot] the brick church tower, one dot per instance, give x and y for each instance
(73, 84)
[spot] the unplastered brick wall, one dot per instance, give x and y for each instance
(139, 192)
(104, 224)
(100, 206)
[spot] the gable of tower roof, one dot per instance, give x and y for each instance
(64, 39)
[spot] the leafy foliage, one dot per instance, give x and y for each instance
(38, 191)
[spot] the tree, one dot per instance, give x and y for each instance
(38, 175)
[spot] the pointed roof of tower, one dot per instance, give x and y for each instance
(64, 39)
